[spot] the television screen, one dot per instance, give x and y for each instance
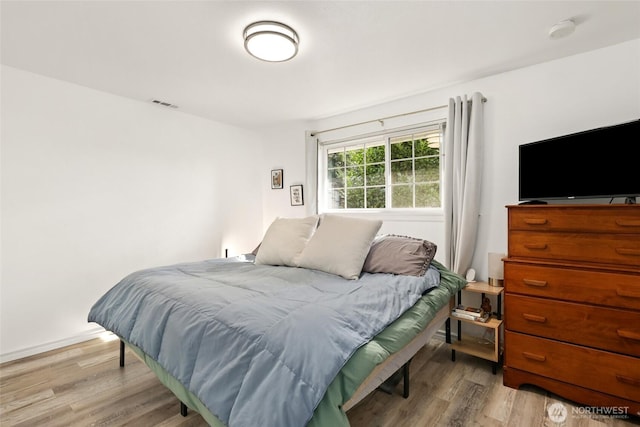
(601, 162)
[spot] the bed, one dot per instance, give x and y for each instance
(251, 341)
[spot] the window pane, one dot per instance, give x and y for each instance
(402, 171)
(355, 156)
(428, 195)
(355, 176)
(402, 196)
(375, 198)
(355, 198)
(375, 154)
(335, 158)
(375, 174)
(401, 150)
(336, 199)
(428, 169)
(335, 178)
(424, 147)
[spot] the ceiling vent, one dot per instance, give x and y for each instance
(163, 103)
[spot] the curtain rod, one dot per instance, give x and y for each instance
(385, 118)
(381, 132)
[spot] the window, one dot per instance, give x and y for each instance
(389, 171)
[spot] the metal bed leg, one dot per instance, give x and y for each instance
(405, 371)
(121, 353)
(447, 330)
(183, 409)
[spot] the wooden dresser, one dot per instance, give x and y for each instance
(572, 302)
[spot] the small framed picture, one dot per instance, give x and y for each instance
(277, 179)
(296, 195)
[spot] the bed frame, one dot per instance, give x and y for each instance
(399, 360)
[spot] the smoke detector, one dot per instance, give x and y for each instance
(562, 29)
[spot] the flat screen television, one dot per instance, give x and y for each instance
(602, 162)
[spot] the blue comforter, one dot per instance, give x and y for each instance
(258, 345)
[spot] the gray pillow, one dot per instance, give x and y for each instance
(404, 255)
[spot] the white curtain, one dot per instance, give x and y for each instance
(311, 178)
(463, 172)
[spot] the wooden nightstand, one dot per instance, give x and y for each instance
(472, 345)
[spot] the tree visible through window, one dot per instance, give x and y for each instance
(398, 171)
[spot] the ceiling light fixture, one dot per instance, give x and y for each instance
(271, 41)
(562, 29)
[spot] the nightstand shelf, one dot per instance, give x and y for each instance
(473, 346)
(477, 346)
(492, 323)
(483, 288)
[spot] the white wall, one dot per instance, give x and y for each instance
(95, 186)
(284, 149)
(589, 90)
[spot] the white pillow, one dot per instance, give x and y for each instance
(284, 241)
(340, 245)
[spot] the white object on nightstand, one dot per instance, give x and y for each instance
(471, 275)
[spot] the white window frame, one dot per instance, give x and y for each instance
(388, 213)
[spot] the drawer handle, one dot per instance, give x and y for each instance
(535, 221)
(628, 222)
(628, 380)
(628, 251)
(632, 335)
(533, 356)
(535, 246)
(534, 318)
(538, 283)
(628, 293)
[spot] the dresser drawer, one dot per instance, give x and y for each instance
(599, 327)
(573, 284)
(590, 219)
(619, 249)
(607, 372)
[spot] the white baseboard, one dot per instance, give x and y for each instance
(30, 351)
(441, 334)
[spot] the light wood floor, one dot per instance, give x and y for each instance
(82, 385)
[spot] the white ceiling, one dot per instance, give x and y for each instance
(352, 54)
